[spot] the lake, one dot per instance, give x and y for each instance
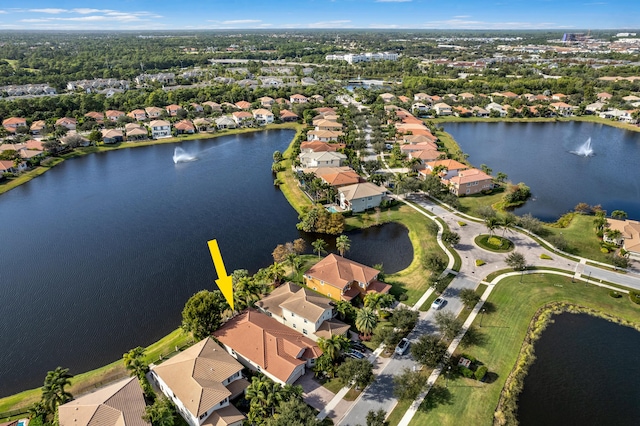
(100, 254)
(540, 155)
(585, 373)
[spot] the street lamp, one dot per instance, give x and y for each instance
(482, 311)
(446, 383)
(522, 274)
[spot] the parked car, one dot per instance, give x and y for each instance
(402, 346)
(438, 303)
(359, 346)
(356, 354)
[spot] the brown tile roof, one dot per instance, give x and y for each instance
(242, 114)
(243, 104)
(449, 164)
(285, 113)
(318, 146)
(195, 375)
(276, 348)
(114, 113)
(426, 155)
(340, 178)
(340, 272)
(184, 125)
(301, 301)
(470, 175)
(98, 116)
(13, 120)
(332, 327)
(224, 417)
(119, 404)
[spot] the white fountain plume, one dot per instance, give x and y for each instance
(182, 156)
(584, 150)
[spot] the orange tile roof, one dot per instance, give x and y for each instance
(243, 104)
(318, 146)
(470, 175)
(340, 272)
(449, 164)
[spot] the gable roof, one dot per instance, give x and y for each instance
(243, 104)
(339, 178)
(470, 175)
(449, 164)
(361, 190)
(119, 404)
(339, 271)
(296, 299)
(195, 375)
(276, 348)
(318, 146)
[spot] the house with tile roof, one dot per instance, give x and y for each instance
(154, 112)
(38, 127)
(266, 101)
(242, 118)
(323, 135)
(360, 196)
(201, 381)
(225, 122)
(113, 115)
(448, 168)
(470, 181)
(112, 135)
(173, 109)
(12, 123)
(263, 344)
(262, 116)
(324, 124)
(185, 126)
(160, 129)
(302, 310)
(343, 279)
(298, 99)
(562, 108)
(629, 235)
(317, 146)
(215, 107)
(321, 159)
(442, 108)
(338, 179)
(119, 404)
(138, 114)
(67, 122)
(244, 105)
(286, 115)
(135, 131)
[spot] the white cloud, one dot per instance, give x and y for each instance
(470, 24)
(35, 20)
(384, 26)
(3, 11)
(462, 17)
(241, 21)
(329, 24)
(51, 11)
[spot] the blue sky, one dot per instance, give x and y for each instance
(269, 14)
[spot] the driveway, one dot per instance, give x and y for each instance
(319, 397)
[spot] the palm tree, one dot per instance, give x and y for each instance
(366, 321)
(414, 164)
(613, 235)
(53, 392)
(275, 272)
(507, 222)
(319, 246)
(343, 243)
(343, 308)
(378, 301)
(134, 362)
(333, 345)
(600, 221)
(491, 223)
(246, 292)
(294, 261)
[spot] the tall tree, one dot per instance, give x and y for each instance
(319, 246)
(334, 345)
(366, 321)
(448, 324)
(492, 223)
(53, 391)
(203, 313)
(428, 350)
(343, 244)
(357, 371)
(160, 413)
(134, 362)
(516, 261)
(378, 301)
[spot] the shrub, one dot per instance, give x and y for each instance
(465, 372)
(480, 262)
(634, 296)
(402, 297)
(47, 161)
(615, 294)
(545, 257)
(461, 223)
(604, 250)
(481, 372)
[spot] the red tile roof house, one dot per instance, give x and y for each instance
(286, 115)
(185, 126)
(7, 166)
(12, 123)
(67, 123)
(298, 99)
(113, 115)
(450, 168)
(173, 109)
(242, 118)
(200, 381)
(38, 128)
(243, 105)
(471, 181)
(98, 116)
(138, 114)
(343, 279)
(153, 112)
(262, 344)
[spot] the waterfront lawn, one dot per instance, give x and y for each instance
(289, 187)
(412, 281)
(581, 238)
(470, 204)
(512, 305)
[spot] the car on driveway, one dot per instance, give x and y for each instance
(356, 354)
(402, 346)
(438, 303)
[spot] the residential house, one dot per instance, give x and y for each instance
(426, 155)
(422, 97)
(185, 126)
(284, 102)
(404, 99)
(594, 107)
(262, 116)
(604, 96)
(558, 97)
(359, 197)
(387, 97)
(631, 98)
(317, 146)
(225, 122)
(67, 122)
(286, 116)
(629, 235)
(154, 112)
(420, 108)
(418, 146)
(7, 166)
(466, 96)
(470, 181)
(266, 101)
(38, 128)
(197, 108)
(460, 111)
(303, 310)
(112, 136)
(447, 168)
(113, 115)
(135, 131)
(509, 95)
(160, 129)
(562, 108)
(338, 179)
(244, 105)
(263, 344)
(323, 135)
(298, 99)
(83, 141)
(215, 107)
(315, 98)
(200, 381)
(242, 118)
(11, 124)
(119, 404)
(442, 108)
(496, 107)
(321, 159)
(173, 109)
(324, 124)
(620, 115)
(451, 97)
(343, 279)
(204, 124)
(138, 114)
(423, 138)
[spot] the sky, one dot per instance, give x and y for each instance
(310, 14)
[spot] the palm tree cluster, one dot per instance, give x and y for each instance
(135, 363)
(264, 397)
(54, 393)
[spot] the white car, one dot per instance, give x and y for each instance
(402, 346)
(438, 303)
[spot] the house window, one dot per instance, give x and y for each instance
(305, 321)
(292, 314)
(304, 331)
(315, 288)
(294, 326)
(370, 198)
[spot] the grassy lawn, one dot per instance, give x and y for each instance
(504, 327)
(333, 385)
(503, 245)
(581, 238)
(413, 280)
(471, 203)
(9, 184)
(290, 189)
(85, 382)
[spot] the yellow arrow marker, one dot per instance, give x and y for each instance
(224, 282)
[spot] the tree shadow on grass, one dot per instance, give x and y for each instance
(438, 395)
(489, 308)
(490, 377)
(474, 337)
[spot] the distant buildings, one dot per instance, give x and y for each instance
(354, 58)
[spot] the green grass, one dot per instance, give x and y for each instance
(504, 328)
(544, 256)
(485, 241)
(333, 385)
(581, 238)
(470, 204)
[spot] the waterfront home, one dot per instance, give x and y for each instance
(562, 108)
(321, 159)
(215, 107)
(204, 124)
(442, 108)
(286, 116)
(38, 128)
(422, 138)
(200, 381)
(185, 126)
(317, 146)
(422, 97)
(496, 107)
(418, 146)
(83, 141)
(160, 129)
(113, 115)
(244, 105)
(242, 118)
(7, 166)
(466, 96)
(338, 179)
(119, 404)
(323, 135)
(173, 109)
(470, 181)
(225, 122)
(135, 131)
(67, 123)
(298, 99)
(266, 101)
(426, 155)
(420, 108)
(343, 279)
(11, 124)
(262, 116)
(154, 112)
(112, 136)
(629, 235)
(361, 196)
(460, 111)
(480, 112)
(324, 124)
(302, 310)
(263, 344)
(446, 169)
(619, 114)
(138, 114)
